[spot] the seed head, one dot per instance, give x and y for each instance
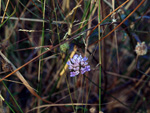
(141, 48)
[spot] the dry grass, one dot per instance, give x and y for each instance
(39, 37)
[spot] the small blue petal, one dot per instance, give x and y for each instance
(82, 72)
(84, 59)
(69, 63)
(70, 67)
(73, 60)
(76, 68)
(78, 60)
(72, 74)
(76, 64)
(87, 68)
(84, 63)
(75, 56)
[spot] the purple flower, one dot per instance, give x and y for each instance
(77, 65)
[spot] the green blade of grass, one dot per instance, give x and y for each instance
(12, 97)
(8, 18)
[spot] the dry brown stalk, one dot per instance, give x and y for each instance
(10, 67)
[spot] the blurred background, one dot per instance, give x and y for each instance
(61, 28)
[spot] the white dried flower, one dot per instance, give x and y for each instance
(92, 110)
(141, 48)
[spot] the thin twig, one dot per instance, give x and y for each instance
(19, 75)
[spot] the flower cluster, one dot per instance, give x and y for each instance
(141, 48)
(77, 65)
